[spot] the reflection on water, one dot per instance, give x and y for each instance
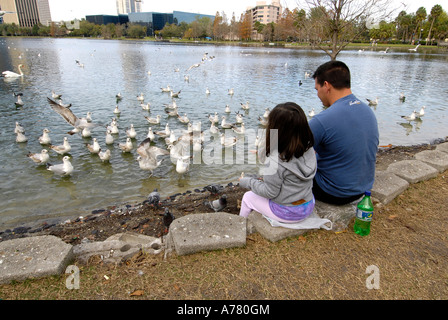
(261, 76)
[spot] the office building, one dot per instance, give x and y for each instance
(265, 13)
(128, 6)
(27, 13)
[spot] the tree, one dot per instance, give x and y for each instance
(330, 25)
(436, 11)
(245, 26)
(420, 16)
(136, 31)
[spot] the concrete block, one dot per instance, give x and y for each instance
(33, 257)
(443, 147)
(148, 244)
(207, 231)
(112, 251)
(340, 216)
(387, 186)
(435, 158)
(413, 171)
(273, 234)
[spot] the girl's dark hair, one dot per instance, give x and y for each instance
(334, 72)
(294, 135)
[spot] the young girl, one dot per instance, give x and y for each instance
(285, 195)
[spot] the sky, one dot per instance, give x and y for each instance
(71, 9)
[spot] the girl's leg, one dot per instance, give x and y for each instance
(252, 201)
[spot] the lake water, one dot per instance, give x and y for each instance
(262, 76)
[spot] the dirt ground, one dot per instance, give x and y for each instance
(404, 258)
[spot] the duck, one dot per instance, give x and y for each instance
(39, 158)
(62, 149)
(45, 138)
(11, 74)
(63, 169)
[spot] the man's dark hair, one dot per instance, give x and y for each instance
(334, 72)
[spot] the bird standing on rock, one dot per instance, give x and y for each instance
(218, 204)
(168, 217)
(154, 198)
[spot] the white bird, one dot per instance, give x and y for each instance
(175, 94)
(311, 113)
(153, 120)
(245, 106)
(213, 118)
(196, 126)
(164, 133)
(373, 102)
(148, 155)
(150, 134)
(39, 158)
(173, 113)
(182, 165)
(385, 51)
(307, 75)
(104, 155)
(113, 128)
(266, 113)
(207, 91)
(19, 102)
(18, 128)
(186, 78)
(213, 129)
(227, 142)
(86, 133)
(45, 138)
(109, 137)
(414, 49)
(95, 147)
(117, 110)
(197, 145)
(194, 66)
(263, 121)
(166, 89)
(118, 96)
(146, 106)
(55, 95)
(402, 97)
(69, 116)
(239, 117)
(141, 97)
(410, 117)
(20, 137)
(240, 130)
(183, 119)
(230, 91)
(421, 113)
(126, 147)
(171, 138)
(131, 133)
(227, 109)
(11, 74)
(63, 169)
(225, 124)
(62, 149)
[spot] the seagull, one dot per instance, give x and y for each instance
(18, 128)
(173, 113)
(86, 133)
(45, 138)
(421, 113)
(131, 133)
(187, 78)
(150, 134)
(67, 105)
(170, 139)
(165, 133)
(225, 124)
(307, 75)
(168, 218)
(227, 142)
(193, 66)
(166, 89)
(113, 128)
(373, 102)
(402, 97)
(218, 204)
(118, 96)
(55, 96)
(95, 147)
(141, 97)
(39, 158)
(207, 91)
(109, 137)
(239, 117)
(266, 113)
(19, 102)
(104, 155)
(263, 121)
(63, 169)
(155, 120)
(175, 94)
(410, 117)
(245, 106)
(230, 91)
(146, 107)
(213, 129)
(148, 154)
(69, 116)
(184, 118)
(240, 130)
(227, 109)
(62, 149)
(154, 198)
(126, 147)
(11, 74)
(311, 113)
(116, 110)
(213, 118)
(182, 166)
(20, 137)
(385, 51)
(414, 49)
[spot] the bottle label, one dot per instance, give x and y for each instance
(364, 215)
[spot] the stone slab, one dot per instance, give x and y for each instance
(33, 257)
(442, 147)
(340, 216)
(111, 251)
(435, 158)
(207, 231)
(413, 171)
(387, 186)
(273, 234)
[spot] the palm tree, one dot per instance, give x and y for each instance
(436, 11)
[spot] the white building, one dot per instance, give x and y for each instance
(129, 6)
(265, 13)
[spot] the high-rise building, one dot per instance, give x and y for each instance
(128, 6)
(264, 13)
(27, 13)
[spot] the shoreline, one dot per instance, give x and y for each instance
(180, 201)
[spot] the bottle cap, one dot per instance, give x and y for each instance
(368, 193)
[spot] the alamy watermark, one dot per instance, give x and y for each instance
(373, 280)
(72, 281)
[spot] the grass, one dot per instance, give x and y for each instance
(408, 243)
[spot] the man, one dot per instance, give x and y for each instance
(345, 138)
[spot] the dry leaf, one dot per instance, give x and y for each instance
(137, 292)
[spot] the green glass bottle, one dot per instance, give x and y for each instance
(364, 213)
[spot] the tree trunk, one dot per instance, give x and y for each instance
(430, 29)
